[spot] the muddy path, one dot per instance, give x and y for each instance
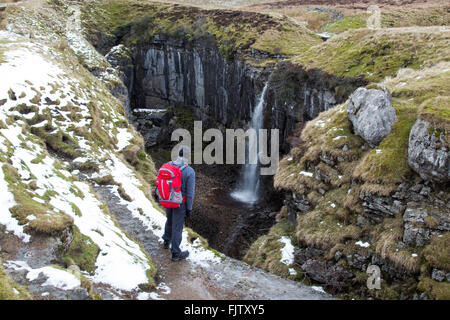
(227, 279)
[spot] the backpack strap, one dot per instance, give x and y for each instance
(182, 167)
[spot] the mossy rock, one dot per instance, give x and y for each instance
(265, 252)
(436, 290)
(9, 290)
(82, 252)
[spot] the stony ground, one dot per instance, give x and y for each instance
(227, 279)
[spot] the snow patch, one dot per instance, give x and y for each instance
(55, 277)
(318, 289)
(362, 244)
(123, 136)
(287, 252)
(305, 173)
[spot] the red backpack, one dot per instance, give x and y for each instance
(168, 185)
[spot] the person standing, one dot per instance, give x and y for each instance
(173, 229)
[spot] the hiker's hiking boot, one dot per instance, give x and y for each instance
(166, 244)
(183, 255)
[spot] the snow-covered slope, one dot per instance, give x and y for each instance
(62, 131)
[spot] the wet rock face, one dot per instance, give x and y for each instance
(310, 102)
(371, 114)
(172, 72)
(169, 72)
(295, 204)
(304, 254)
(299, 95)
(427, 153)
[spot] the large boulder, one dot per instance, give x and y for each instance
(427, 152)
(371, 113)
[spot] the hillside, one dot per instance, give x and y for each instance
(72, 166)
(91, 91)
(354, 204)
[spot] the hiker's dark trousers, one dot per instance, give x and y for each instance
(174, 227)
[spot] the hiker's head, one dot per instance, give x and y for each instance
(184, 152)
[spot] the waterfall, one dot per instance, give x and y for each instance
(249, 184)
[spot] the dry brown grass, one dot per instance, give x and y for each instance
(326, 235)
(437, 253)
(387, 236)
(325, 135)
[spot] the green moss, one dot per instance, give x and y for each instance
(375, 54)
(77, 192)
(98, 133)
(436, 111)
(59, 142)
(325, 135)
(436, 290)
(82, 252)
(347, 23)
(39, 158)
(48, 194)
(46, 220)
(138, 22)
(9, 290)
(327, 224)
(75, 209)
(386, 237)
(387, 164)
(265, 252)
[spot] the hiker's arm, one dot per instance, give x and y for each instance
(190, 191)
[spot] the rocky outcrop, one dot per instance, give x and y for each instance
(439, 275)
(222, 92)
(297, 95)
(295, 203)
(427, 153)
(422, 222)
(372, 114)
(172, 72)
(309, 101)
(332, 275)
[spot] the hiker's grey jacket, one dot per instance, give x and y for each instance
(187, 182)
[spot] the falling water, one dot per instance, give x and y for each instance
(249, 184)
